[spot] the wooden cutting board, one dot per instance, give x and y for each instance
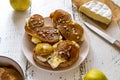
(115, 11)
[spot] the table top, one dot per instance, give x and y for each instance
(102, 55)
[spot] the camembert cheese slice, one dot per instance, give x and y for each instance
(97, 11)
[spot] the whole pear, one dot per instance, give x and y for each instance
(95, 75)
(20, 5)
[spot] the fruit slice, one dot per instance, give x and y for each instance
(43, 49)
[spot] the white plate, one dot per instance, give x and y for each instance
(28, 51)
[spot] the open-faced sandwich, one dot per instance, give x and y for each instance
(36, 28)
(61, 55)
(56, 39)
(60, 17)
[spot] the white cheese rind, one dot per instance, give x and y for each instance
(97, 11)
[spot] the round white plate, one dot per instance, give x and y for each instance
(28, 52)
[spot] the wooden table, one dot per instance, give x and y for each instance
(102, 55)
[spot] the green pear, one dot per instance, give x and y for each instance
(43, 49)
(95, 75)
(20, 5)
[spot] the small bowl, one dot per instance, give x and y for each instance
(6, 61)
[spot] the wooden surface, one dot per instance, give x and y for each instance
(112, 5)
(102, 55)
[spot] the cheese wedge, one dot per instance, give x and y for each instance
(97, 11)
(116, 2)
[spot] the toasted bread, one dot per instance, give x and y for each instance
(60, 17)
(44, 34)
(71, 31)
(36, 20)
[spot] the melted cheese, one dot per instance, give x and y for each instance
(35, 40)
(42, 58)
(97, 11)
(55, 61)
